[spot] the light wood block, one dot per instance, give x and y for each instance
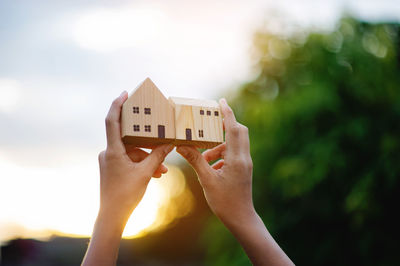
(149, 119)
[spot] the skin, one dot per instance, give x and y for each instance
(125, 172)
(227, 186)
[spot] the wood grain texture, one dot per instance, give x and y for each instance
(198, 144)
(180, 121)
(146, 142)
(188, 115)
(147, 95)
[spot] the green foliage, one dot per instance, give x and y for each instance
(324, 123)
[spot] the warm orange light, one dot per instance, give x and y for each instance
(165, 200)
(38, 203)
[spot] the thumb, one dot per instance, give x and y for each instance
(200, 165)
(155, 158)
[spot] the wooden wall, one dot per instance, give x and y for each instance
(189, 117)
(147, 95)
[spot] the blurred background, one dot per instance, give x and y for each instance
(316, 82)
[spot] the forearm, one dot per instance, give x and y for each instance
(104, 244)
(257, 242)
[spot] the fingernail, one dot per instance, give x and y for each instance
(122, 93)
(222, 100)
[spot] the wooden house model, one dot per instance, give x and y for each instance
(148, 118)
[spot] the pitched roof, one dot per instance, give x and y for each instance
(149, 86)
(194, 102)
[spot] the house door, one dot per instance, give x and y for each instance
(161, 132)
(188, 134)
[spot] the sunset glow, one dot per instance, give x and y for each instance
(63, 62)
(48, 202)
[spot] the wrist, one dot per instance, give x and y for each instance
(113, 219)
(106, 236)
(257, 242)
(239, 219)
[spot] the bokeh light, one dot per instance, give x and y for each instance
(64, 202)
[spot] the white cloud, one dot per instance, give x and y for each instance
(10, 94)
(188, 49)
(110, 29)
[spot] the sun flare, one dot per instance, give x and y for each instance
(166, 199)
(61, 202)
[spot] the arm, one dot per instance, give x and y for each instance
(227, 187)
(125, 172)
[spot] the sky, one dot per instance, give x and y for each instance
(63, 62)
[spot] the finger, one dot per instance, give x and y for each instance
(232, 129)
(229, 116)
(218, 165)
(244, 138)
(138, 155)
(155, 158)
(130, 147)
(113, 123)
(214, 153)
(157, 175)
(133, 146)
(200, 165)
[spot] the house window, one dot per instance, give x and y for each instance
(208, 112)
(147, 111)
(147, 128)
(216, 113)
(135, 109)
(136, 128)
(201, 112)
(201, 134)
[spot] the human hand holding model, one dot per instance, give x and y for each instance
(125, 172)
(227, 183)
(227, 186)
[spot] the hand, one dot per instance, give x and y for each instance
(125, 171)
(227, 184)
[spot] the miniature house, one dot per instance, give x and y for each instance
(148, 119)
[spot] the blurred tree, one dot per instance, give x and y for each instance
(324, 122)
